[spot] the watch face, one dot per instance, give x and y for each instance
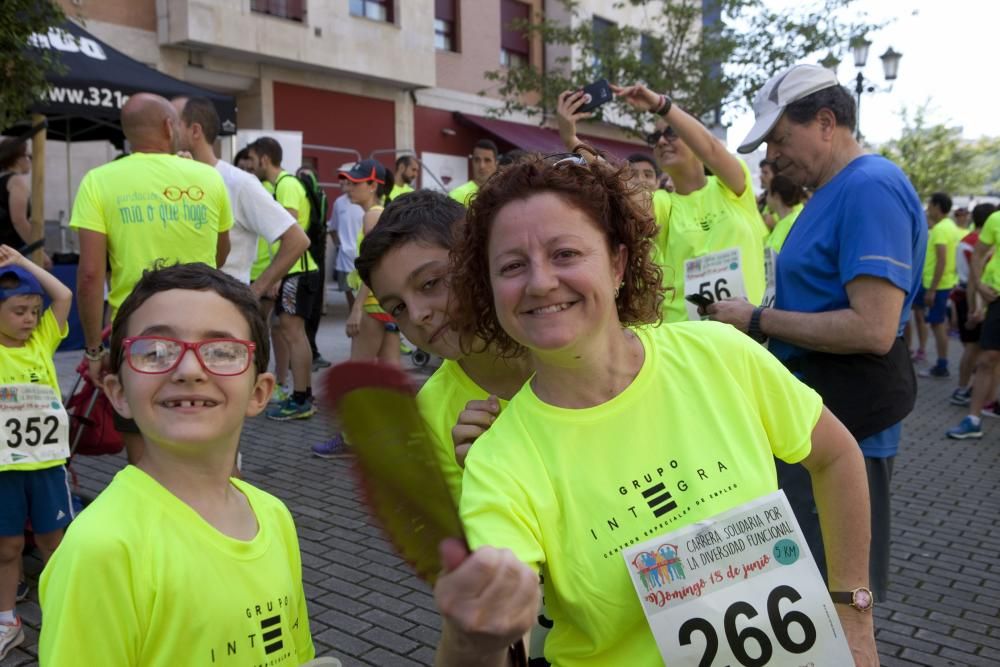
(863, 599)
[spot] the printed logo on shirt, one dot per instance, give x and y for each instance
(264, 644)
(666, 493)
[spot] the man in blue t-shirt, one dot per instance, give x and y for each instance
(846, 277)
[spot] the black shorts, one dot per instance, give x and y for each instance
(965, 334)
(989, 339)
(298, 294)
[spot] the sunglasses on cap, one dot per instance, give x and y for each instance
(653, 138)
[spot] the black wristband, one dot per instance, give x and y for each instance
(665, 104)
(753, 330)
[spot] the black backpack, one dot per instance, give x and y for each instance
(318, 204)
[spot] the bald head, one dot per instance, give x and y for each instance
(150, 124)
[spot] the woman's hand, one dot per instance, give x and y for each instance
(638, 96)
(859, 631)
(353, 327)
(567, 115)
(477, 417)
(488, 599)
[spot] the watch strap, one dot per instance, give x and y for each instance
(867, 600)
(753, 329)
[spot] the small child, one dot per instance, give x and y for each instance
(34, 427)
(177, 563)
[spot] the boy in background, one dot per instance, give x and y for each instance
(34, 431)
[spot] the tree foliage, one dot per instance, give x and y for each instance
(705, 68)
(936, 159)
(24, 71)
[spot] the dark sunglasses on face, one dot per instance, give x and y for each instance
(653, 138)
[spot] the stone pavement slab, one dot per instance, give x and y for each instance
(366, 608)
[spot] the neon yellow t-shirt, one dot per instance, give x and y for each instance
(172, 590)
(152, 206)
(948, 234)
(441, 400)
(697, 430)
(291, 194)
(290, 197)
(990, 235)
(463, 194)
(781, 228)
(700, 223)
(399, 190)
(31, 364)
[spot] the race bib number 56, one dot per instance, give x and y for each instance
(714, 277)
(740, 588)
(34, 426)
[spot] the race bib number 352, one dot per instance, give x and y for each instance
(740, 588)
(34, 427)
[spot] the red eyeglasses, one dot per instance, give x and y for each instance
(154, 355)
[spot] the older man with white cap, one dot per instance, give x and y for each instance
(846, 277)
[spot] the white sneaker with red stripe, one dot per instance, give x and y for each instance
(11, 636)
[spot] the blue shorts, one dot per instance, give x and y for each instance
(41, 495)
(939, 311)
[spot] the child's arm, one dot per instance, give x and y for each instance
(61, 296)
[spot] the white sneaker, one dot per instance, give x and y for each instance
(323, 662)
(11, 636)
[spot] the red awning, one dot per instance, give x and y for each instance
(544, 139)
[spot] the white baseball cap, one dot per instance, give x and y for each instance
(792, 85)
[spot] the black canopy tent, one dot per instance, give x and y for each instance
(83, 103)
(84, 100)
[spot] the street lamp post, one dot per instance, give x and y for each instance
(890, 68)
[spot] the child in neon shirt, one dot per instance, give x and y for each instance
(34, 435)
(190, 565)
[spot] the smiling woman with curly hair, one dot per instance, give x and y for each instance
(555, 261)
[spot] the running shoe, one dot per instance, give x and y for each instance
(10, 637)
(939, 372)
(22, 590)
(966, 429)
(961, 396)
(280, 394)
(323, 662)
(918, 356)
(320, 363)
(333, 448)
(291, 409)
(991, 410)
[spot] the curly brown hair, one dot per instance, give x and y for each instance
(601, 191)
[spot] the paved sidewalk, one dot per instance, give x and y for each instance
(367, 609)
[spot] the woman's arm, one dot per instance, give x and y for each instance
(840, 487)
(20, 193)
(702, 143)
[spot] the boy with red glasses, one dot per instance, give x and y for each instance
(34, 428)
(191, 566)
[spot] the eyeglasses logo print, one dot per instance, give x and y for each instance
(174, 193)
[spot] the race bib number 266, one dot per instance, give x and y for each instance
(34, 427)
(740, 588)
